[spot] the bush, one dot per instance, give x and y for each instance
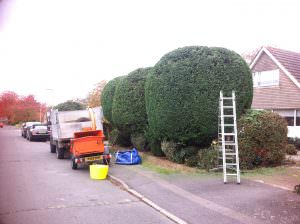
(107, 98)
(155, 148)
(128, 109)
(117, 137)
(291, 149)
(138, 141)
(69, 106)
(208, 158)
(178, 153)
(295, 142)
(182, 92)
(262, 139)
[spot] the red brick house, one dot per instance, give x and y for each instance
(276, 84)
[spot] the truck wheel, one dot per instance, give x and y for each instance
(74, 165)
(106, 161)
(60, 154)
(52, 148)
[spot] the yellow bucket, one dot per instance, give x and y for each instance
(98, 172)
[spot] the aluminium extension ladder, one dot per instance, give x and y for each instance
(227, 137)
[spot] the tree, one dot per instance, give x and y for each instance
(20, 108)
(182, 93)
(129, 109)
(94, 97)
(70, 105)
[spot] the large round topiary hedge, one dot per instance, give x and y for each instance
(129, 110)
(107, 98)
(182, 92)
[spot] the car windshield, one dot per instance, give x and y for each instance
(39, 127)
(32, 123)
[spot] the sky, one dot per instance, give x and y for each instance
(58, 50)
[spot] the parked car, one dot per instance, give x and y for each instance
(1, 125)
(37, 132)
(27, 125)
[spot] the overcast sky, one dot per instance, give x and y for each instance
(70, 45)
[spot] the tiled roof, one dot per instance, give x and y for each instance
(290, 60)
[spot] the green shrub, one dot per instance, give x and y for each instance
(295, 142)
(70, 105)
(182, 92)
(178, 153)
(128, 109)
(208, 158)
(290, 149)
(138, 141)
(117, 137)
(107, 98)
(155, 148)
(262, 139)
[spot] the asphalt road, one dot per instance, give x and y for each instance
(35, 187)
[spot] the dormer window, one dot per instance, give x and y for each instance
(266, 78)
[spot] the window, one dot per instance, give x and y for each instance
(266, 78)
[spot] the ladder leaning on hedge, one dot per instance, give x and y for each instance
(227, 137)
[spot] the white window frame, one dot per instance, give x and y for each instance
(266, 78)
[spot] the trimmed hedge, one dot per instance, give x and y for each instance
(182, 93)
(262, 139)
(107, 98)
(128, 109)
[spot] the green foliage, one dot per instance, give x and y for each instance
(182, 92)
(262, 139)
(178, 153)
(155, 148)
(295, 142)
(70, 105)
(138, 141)
(128, 108)
(290, 149)
(117, 137)
(107, 97)
(208, 158)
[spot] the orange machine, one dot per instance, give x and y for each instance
(87, 146)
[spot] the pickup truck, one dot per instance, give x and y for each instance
(79, 133)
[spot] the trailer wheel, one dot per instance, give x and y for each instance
(74, 165)
(60, 154)
(52, 148)
(106, 161)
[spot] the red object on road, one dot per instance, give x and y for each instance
(1, 125)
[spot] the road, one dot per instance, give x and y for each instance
(35, 187)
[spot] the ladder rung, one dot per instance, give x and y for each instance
(228, 115)
(227, 98)
(230, 154)
(229, 144)
(231, 174)
(227, 125)
(230, 164)
(228, 107)
(229, 134)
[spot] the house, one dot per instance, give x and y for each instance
(276, 85)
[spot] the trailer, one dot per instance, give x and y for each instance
(80, 134)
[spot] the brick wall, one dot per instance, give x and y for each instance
(284, 96)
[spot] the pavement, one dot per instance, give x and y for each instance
(206, 199)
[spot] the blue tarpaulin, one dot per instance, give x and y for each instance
(128, 157)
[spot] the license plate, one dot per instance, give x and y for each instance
(92, 158)
(41, 132)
